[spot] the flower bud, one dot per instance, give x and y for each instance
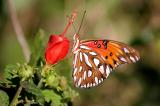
(57, 49)
(25, 71)
(58, 45)
(52, 80)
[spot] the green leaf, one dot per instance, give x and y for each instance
(30, 87)
(51, 96)
(69, 94)
(10, 71)
(38, 49)
(9, 76)
(4, 99)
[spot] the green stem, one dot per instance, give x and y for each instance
(43, 73)
(15, 99)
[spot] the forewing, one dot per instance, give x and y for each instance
(113, 53)
(95, 59)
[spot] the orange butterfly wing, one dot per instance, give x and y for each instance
(95, 59)
(113, 52)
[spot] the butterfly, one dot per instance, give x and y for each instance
(94, 60)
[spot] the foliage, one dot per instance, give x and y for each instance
(40, 83)
(4, 99)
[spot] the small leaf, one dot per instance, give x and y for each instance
(69, 94)
(51, 96)
(4, 99)
(10, 71)
(9, 76)
(38, 49)
(30, 87)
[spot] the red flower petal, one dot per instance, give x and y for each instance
(58, 46)
(57, 49)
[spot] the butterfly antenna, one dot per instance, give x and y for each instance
(81, 22)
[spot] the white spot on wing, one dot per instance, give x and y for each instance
(75, 70)
(84, 75)
(75, 59)
(86, 60)
(99, 81)
(126, 50)
(101, 69)
(123, 59)
(94, 84)
(96, 80)
(75, 78)
(79, 82)
(107, 71)
(88, 85)
(117, 64)
(96, 61)
(80, 54)
(89, 73)
(92, 53)
(137, 58)
(91, 85)
(84, 47)
(132, 58)
(80, 68)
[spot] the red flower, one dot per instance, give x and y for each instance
(57, 49)
(58, 46)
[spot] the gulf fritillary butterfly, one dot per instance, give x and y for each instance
(95, 59)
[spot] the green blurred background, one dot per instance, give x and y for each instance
(134, 22)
